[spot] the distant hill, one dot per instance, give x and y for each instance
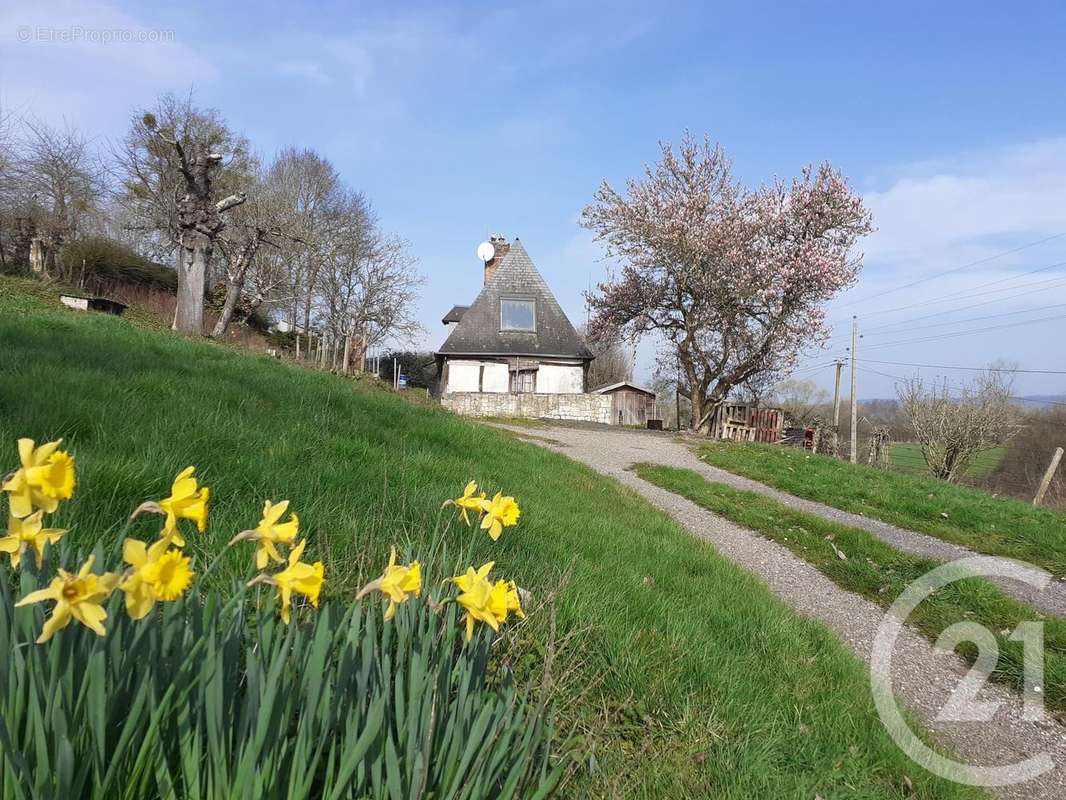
(1041, 400)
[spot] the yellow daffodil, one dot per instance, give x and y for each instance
(45, 477)
(398, 583)
(159, 573)
(482, 601)
(500, 512)
(468, 502)
(271, 531)
(305, 579)
(514, 600)
(28, 534)
(79, 596)
(187, 501)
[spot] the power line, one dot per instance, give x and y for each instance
(957, 321)
(971, 292)
(968, 369)
(812, 370)
(965, 333)
(957, 269)
(962, 321)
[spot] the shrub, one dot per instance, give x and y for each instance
(107, 262)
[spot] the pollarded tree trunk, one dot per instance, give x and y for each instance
(193, 258)
(200, 222)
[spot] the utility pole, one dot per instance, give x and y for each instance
(677, 392)
(836, 410)
(836, 395)
(854, 401)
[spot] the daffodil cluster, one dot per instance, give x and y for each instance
(486, 601)
(44, 478)
(161, 572)
(481, 599)
(493, 515)
(298, 577)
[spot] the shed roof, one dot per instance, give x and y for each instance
(516, 277)
(614, 387)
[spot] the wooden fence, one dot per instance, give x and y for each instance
(741, 422)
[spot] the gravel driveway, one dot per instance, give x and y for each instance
(923, 677)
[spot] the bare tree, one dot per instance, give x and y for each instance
(613, 360)
(368, 283)
(181, 167)
(266, 221)
(59, 184)
(8, 186)
(800, 400)
(310, 189)
(953, 426)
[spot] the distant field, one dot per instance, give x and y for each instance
(907, 457)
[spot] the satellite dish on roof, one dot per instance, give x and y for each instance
(485, 251)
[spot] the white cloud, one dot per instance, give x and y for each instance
(970, 205)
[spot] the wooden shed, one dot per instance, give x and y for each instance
(630, 404)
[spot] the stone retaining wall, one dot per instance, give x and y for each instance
(578, 407)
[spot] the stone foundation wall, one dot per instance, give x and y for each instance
(577, 407)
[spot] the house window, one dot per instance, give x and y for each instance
(524, 380)
(518, 315)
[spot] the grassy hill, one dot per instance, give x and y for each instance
(674, 673)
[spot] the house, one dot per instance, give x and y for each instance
(512, 351)
(630, 404)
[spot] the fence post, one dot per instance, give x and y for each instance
(1048, 475)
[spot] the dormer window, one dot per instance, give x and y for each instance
(518, 315)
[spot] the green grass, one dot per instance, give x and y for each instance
(907, 457)
(681, 675)
(994, 525)
(880, 573)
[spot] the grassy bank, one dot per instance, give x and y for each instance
(880, 573)
(680, 674)
(970, 517)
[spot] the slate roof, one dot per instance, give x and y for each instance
(516, 277)
(455, 314)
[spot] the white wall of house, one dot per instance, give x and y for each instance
(560, 379)
(496, 378)
(466, 376)
(462, 376)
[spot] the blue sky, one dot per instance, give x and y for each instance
(460, 120)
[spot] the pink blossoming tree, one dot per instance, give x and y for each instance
(734, 280)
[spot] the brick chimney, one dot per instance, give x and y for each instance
(501, 246)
